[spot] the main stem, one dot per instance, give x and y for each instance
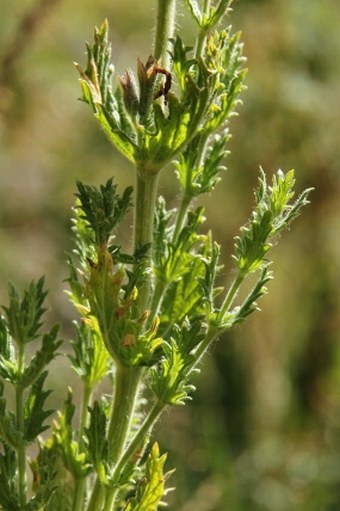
(126, 391)
(127, 379)
(144, 223)
(125, 394)
(164, 30)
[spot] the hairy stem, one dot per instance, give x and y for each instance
(144, 222)
(203, 347)
(87, 392)
(199, 144)
(97, 497)
(202, 34)
(182, 212)
(78, 497)
(158, 295)
(164, 30)
(136, 442)
(145, 206)
(126, 391)
(132, 449)
(213, 331)
(21, 452)
(80, 484)
(230, 296)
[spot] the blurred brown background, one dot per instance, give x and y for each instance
(262, 433)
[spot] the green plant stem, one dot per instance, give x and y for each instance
(78, 497)
(126, 391)
(203, 347)
(206, 7)
(87, 393)
(137, 440)
(127, 379)
(157, 298)
(131, 450)
(202, 35)
(21, 452)
(164, 30)
(200, 44)
(144, 221)
(186, 200)
(97, 497)
(110, 498)
(80, 483)
(230, 296)
(145, 206)
(214, 331)
(198, 144)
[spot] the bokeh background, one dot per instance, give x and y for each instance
(263, 430)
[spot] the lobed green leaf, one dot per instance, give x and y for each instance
(34, 413)
(273, 212)
(170, 377)
(45, 484)
(9, 433)
(9, 499)
(91, 358)
(151, 489)
(24, 315)
(63, 441)
(47, 352)
(103, 209)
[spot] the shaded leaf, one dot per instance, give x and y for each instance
(8, 485)
(96, 440)
(34, 414)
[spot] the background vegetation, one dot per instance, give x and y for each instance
(263, 430)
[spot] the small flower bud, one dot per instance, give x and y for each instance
(128, 84)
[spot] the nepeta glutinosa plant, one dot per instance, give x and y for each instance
(147, 316)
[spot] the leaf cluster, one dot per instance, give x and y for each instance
(146, 131)
(103, 209)
(273, 212)
(19, 327)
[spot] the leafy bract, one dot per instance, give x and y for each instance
(151, 489)
(273, 212)
(146, 131)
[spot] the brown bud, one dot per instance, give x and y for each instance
(128, 84)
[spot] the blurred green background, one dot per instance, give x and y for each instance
(263, 430)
